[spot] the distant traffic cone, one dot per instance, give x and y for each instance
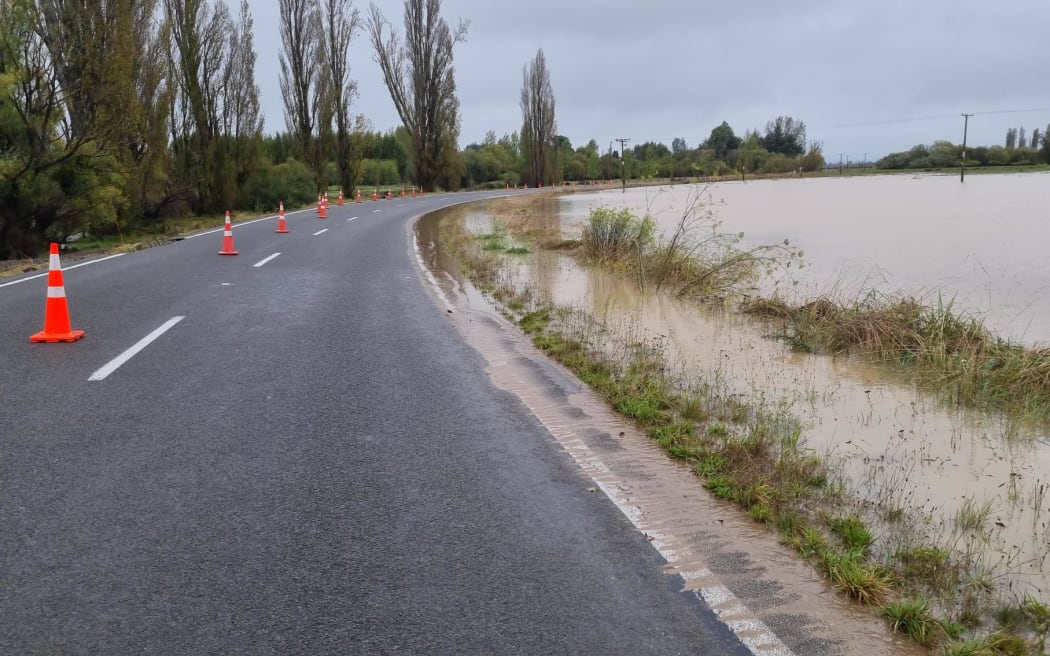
(413, 192)
(340, 201)
(375, 194)
(326, 204)
(358, 196)
(320, 201)
(57, 327)
(281, 227)
(402, 192)
(323, 210)
(508, 187)
(227, 238)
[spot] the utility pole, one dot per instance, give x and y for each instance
(841, 155)
(623, 162)
(962, 170)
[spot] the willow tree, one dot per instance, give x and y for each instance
(539, 139)
(341, 21)
(420, 77)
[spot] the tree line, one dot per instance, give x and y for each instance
(120, 114)
(1018, 150)
(117, 114)
(514, 158)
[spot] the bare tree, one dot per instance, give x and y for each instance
(1021, 139)
(341, 22)
(539, 131)
(301, 86)
(420, 77)
(1036, 139)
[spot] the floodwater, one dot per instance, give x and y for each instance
(984, 243)
(897, 446)
(775, 603)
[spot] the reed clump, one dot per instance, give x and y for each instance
(945, 349)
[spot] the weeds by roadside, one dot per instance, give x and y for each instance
(937, 590)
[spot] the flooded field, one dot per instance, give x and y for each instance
(982, 243)
(973, 481)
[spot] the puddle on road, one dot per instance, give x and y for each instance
(772, 599)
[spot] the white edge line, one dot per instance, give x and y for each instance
(320, 232)
(65, 268)
(116, 362)
(353, 218)
(244, 223)
(264, 261)
(376, 211)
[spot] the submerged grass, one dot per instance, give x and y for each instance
(753, 455)
(948, 351)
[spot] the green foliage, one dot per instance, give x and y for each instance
(615, 234)
(292, 182)
(913, 617)
(854, 534)
(378, 173)
(723, 141)
(786, 136)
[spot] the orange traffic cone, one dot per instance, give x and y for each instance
(320, 201)
(326, 205)
(413, 192)
(340, 201)
(323, 210)
(358, 196)
(57, 327)
(375, 194)
(402, 192)
(281, 227)
(227, 238)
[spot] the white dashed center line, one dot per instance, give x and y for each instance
(116, 362)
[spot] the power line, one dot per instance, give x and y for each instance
(930, 118)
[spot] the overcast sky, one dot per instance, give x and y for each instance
(867, 77)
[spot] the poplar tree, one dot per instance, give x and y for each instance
(539, 130)
(419, 75)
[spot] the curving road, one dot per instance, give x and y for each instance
(309, 460)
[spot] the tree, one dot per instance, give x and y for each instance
(786, 136)
(242, 118)
(199, 61)
(723, 141)
(1021, 140)
(1036, 141)
(1011, 138)
(421, 80)
(341, 22)
(1044, 152)
(301, 88)
(679, 145)
(539, 128)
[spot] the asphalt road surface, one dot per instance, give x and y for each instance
(308, 460)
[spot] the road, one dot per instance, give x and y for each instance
(309, 460)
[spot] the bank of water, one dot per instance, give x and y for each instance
(897, 447)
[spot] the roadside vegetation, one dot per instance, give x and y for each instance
(941, 588)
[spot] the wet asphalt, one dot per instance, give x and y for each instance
(311, 461)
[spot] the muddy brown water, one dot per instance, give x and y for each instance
(772, 600)
(982, 244)
(895, 445)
